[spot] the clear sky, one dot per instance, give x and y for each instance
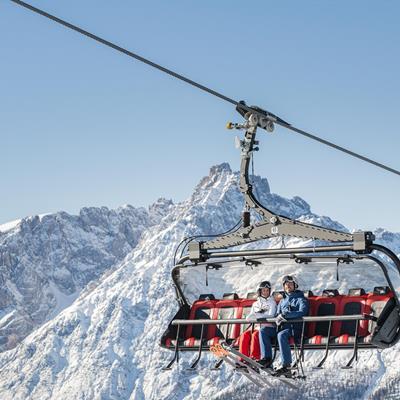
(82, 125)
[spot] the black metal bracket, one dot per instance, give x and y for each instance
(354, 357)
(176, 353)
(321, 363)
(196, 361)
(217, 365)
(302, 341)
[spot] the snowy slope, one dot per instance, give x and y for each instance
(105, 345)
(9, 225)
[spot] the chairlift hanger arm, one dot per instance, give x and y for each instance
(272, 225)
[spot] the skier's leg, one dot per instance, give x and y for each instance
(284, 347)
(244, 343)
(255, 347)
(266, 333)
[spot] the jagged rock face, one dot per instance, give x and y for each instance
(390, 239)
(105, 345)
(45, 262)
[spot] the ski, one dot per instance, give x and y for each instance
(219, 352)
(255, 364)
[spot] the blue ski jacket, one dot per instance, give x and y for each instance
(293, 305)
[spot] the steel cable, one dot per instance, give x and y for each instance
(197, 85)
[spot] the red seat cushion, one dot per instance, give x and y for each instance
(192, 342)
(345, 339)
(214, 340)
(317, 339)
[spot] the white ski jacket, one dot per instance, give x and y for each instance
(263, 308)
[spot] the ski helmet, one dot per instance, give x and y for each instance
(262, 285)
(290, 278)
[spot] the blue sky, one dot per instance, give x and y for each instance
(81, 125)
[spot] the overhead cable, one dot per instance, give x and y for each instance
(198, 85)
(122, 50)
(335, 146)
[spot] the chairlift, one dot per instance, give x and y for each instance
(360, 319)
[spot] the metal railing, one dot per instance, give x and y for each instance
(269, 320)
(252, 322)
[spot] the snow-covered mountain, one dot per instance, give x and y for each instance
(46, 261)
(105, 345)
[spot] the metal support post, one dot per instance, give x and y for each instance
(176, 353)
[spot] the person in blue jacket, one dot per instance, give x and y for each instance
(293, 305)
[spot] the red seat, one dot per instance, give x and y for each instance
(374, 305)
(243, 311)
(226, 309)
(201, 309)
(352, 305)
(310, 326)
(317, 332)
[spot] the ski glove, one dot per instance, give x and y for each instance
(280, 319)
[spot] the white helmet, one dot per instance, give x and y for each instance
(263, 284)
(290, 278)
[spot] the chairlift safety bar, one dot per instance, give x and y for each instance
(270, 320)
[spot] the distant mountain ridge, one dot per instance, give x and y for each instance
(50, 259)
(103, 343)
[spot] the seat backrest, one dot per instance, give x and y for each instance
(201, 309)
(330, 293)
(375, 303)
(278, 295)
(324, 306)
(352, 305)
(207, 296)
(227, 309)
(356, 292)
(244, 311)
(230, 296)
(381, 290)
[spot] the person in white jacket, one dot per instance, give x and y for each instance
(264, 307)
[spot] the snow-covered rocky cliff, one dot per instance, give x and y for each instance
(105, 344)
(46, 261)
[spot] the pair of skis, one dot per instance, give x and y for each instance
(250, 373)
(251, 370)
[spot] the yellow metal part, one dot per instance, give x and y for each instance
(218, 350)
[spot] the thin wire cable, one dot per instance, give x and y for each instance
(190, 238)
(253, 176)
(122, 50)
(231, 230)
(197, 85)
(184, 240)
(335, 146)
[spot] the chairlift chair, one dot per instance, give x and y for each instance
(353, 320)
